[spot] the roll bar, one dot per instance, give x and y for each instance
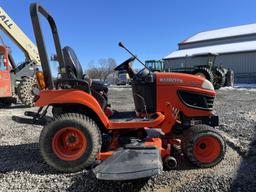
(34, 10)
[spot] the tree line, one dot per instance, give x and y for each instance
(103, 71)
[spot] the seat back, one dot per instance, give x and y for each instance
(72, 64)
(75, 71)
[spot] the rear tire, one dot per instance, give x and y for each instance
(70, 143)
(25, 90)
(204, 72)
(219, 79)
(230, 78)
(203, 146)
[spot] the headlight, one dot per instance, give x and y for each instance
(207, 85)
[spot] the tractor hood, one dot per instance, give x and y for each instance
(184, 80)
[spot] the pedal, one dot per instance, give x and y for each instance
(129, 164)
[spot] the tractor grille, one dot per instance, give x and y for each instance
(196, 100)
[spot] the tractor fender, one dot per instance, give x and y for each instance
(68, 96)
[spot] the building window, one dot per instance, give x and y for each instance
(2, 62)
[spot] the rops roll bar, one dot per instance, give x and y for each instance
(34, 10)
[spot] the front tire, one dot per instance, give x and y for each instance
(70, 143)
(203, 146)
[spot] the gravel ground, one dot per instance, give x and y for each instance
(22, 168)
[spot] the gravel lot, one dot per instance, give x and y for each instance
(22, 168)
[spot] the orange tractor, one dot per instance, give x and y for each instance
(172, 111)
(5, 76)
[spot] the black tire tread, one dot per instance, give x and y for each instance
(230, 78)
(77, 119)
(220, 73)
(207, 72)
(190, 136)
(24, 91)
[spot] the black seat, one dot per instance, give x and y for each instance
(75, 71)
(73, 66)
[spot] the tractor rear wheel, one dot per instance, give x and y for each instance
(70, 142)
(219, 79)
(230, 78)
(203, 146)
(204, 72)
(26, 90)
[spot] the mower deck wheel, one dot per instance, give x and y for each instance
(70, 142)
(170, 163)
(203, 146)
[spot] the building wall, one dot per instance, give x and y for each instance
(243, 64)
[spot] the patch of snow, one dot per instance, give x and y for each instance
(219, 49)
(227, 88)
(222, 33)
(245, 85)
(242, 87)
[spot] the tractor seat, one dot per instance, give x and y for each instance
(73, 66)
(75, 71)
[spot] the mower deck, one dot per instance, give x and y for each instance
(133, 162)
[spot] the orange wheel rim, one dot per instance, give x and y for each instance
(207, 149)
(69, 143)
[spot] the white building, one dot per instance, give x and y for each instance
(235, 46)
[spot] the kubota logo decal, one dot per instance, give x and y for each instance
(5, 20)
(171, 80)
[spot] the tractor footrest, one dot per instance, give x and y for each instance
(31, 121)
(31, 114)
(129, 164)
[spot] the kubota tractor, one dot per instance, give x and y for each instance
(172, 111)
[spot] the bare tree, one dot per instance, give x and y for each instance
(94, 73)
(104, 69)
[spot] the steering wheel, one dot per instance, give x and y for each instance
(126, 66)
(142, 74)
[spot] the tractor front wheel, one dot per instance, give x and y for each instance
(203, 146)
(70, 142)
(26, 90)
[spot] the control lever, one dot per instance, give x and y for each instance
(144, 103)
